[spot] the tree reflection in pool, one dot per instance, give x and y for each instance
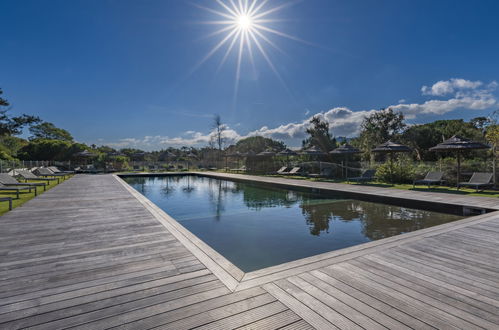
(256, 226)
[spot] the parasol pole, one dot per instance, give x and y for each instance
(458, 166)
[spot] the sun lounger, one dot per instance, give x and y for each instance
(294, 171)
(27, 176)
(430, 178)
(241, 169)
(367, 176)
(10, 181)
(478, 180)
(17, 190)
(57, 170)
(282, 170)
(43, 171)
(7, 199)
(325, 172)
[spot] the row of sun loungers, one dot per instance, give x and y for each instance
(10, 184)
(478, 180)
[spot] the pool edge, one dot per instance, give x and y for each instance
(235, 279)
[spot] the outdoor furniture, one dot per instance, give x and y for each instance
(282, 170)
(43, 171)
(478, 180)
(325, 172)
(294, 171)
(458, 144)
(241, 169)
(8, 180)
(367, 176)
(430, 178)
(7, 199)
(27, 175)
(55, 169)
(16, 190)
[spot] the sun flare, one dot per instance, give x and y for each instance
(246, 28)
(244, 22)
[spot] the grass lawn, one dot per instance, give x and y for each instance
(23, 197)
(437, 189)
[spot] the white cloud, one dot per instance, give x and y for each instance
(446, 87)
(466, 94)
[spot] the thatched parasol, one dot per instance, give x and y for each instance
(345, 150)
(250, 153)
(458, 144)
(316, 152)
(313, 151)
(287, 153)
(391, 148)
(85, 155)
(266, 153)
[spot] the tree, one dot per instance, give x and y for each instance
(42, 149)
(218, 129)
(49, 131)
(217, 137)
(258, 144)
(320, 136)
(423, 137)
(13, 125)
(379, 127)
(492, 136)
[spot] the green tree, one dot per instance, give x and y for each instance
(423, 137)
(379, 127)
(42, 149)
(49, 131)
(258, 144)
(13, 125)
(320, 135)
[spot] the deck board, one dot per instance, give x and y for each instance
(90, 254)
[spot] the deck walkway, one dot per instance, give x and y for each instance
(88, 254)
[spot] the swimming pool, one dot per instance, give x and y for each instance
(256, 226)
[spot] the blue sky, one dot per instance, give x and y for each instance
(121, 72)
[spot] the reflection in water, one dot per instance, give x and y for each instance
(256, 226)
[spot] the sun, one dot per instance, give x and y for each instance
(246, 28)
(244, 22)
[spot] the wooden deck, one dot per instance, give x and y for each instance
(92, 254)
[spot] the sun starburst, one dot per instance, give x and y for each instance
(245, 25)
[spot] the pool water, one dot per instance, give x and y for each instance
(256, 226)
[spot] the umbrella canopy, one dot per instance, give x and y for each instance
(345, 149)
(390, 146)
(248, 154)
(85, 153)
(313, 151)
(287, 152)
(457, 144)
(267, 153)
(234, 154)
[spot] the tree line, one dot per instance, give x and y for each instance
(48, 142)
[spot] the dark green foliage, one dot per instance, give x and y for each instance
(50, 150)
(380, 127)
(49, 131)
(423, 137)
(258, 144)
(320, 136)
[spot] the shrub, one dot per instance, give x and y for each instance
(401, 170)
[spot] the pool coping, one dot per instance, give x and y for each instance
(236, 280)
